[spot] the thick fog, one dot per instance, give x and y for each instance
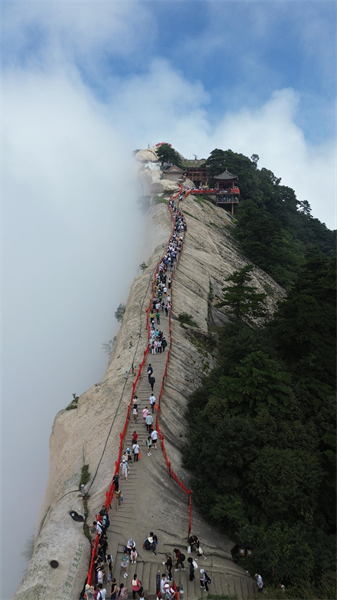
(72, 233)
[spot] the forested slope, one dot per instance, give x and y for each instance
(261, 442)
(274, 228)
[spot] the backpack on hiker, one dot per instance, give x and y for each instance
(105, 521)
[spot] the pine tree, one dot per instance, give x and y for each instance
(167, 154)
(242, 299)
(216, 162)
(120, 312)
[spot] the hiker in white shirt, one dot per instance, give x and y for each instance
(102, 592)
(154, 438)
(135, 450)
(152, 402)
(149, 422)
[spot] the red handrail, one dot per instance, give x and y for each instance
(110, 493)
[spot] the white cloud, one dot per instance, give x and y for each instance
(72, 240)
(94, 35)
(271, 133)
(155, 105)
(163, 105)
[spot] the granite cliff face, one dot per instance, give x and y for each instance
(208, 256)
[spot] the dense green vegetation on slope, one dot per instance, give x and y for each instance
(261, 440)
(274, 229)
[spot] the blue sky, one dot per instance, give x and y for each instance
(85, 83)
(198, 74)
(240, 51)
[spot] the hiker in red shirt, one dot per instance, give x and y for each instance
(180, 559)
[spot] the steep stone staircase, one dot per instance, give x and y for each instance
(144, 509)
(133, 519)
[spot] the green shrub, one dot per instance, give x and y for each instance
(86, 531)
(73, 403)
(85, 475)
(268, 289)
(159, 200)
(189, 214)
(120, 312)
(186, 319)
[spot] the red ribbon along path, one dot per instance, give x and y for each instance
(110, 493)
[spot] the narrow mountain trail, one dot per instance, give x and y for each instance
(152, 501)
(142, 511)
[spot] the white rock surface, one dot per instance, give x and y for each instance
(146, 155)
(163, 185)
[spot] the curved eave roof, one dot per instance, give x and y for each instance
(226, 175)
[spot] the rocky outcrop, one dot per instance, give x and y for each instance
(89, 435)
(146, 155)
(163, 186)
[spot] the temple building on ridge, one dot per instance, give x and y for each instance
(225, 193)
(196, 172)
(228, 193)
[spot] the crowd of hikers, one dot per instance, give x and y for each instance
(167, 589)
(161, 302)
(104, 562)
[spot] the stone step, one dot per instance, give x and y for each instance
(137, 569)
(226, 579)
(245, 587)
(146, 388)
(221, 583)
(187, 585)
(238, 587)
(141, 429)
(230, 583)
(146, 581)
(215, 587)
(248, 587)
(113, 548)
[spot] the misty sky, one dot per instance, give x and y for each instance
(85, 83)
